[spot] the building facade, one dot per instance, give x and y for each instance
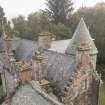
(63, 75)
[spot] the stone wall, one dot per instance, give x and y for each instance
(84, 89)
(26, 75)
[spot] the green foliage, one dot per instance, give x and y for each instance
(36, 23)
(103, 95)
(1, 91)
(101, 69)
(58, 11)
(33, 27)
(19, 26)
(30, 28)
(4, 24)
(9, 31)
(2, 14)
(61, 31)
(41, 21)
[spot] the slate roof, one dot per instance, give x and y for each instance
(81, 35)
(32, 94)
(58, 68)
(60, 45)
(25, 48)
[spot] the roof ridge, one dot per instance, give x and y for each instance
(44, 94)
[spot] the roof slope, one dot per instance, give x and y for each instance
(29, 94)
(81, 35)
(58, 68)
(25, 48)
(60, 45)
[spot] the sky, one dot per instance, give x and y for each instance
(14, 8)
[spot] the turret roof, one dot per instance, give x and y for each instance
(81, 35)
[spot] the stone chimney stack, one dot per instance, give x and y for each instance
(37, 69)
(8, 45)
(45, 40)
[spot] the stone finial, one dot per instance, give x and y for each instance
(8, 45)
(7, 41)
(44, 40)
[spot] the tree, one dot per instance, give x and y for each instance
(20, 26)
(33, 27)
(2, 19)
(37, 22)
(30, 28)
(59, 10)
(1, 12)
(8, 29)
(60, 31)
(4, 24)
(44, 21)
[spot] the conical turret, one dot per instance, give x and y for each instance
(81, 35)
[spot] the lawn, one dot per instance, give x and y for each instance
(103, 95)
